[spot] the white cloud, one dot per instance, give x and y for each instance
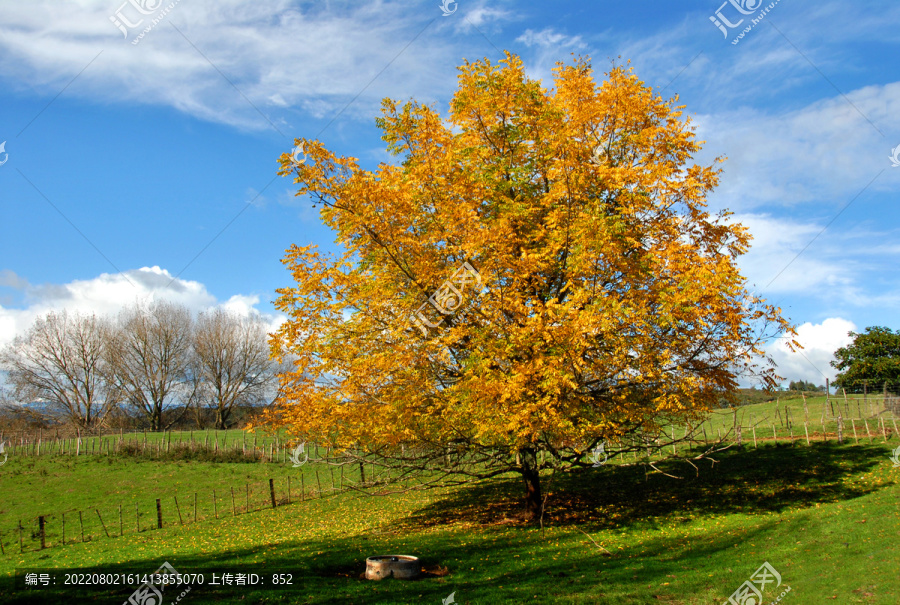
(774, 256)
(813, 362)
(549, 38)
(835, 266)
(548, 47)
(10, 279)
(108, 293)
(826, 152)
(280, 56)
(481, 15)
(245, 306)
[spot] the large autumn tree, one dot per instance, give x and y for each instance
(595, 300)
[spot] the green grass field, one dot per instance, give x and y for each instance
(825, 516)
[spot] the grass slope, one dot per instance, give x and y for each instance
(827, 517)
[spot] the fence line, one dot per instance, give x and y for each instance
(49, 530)
(25, 443)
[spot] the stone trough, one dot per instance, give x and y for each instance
(402, 567)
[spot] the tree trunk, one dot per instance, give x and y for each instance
(529, 470)
(222, 418)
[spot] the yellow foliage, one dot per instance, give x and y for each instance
(611, 302)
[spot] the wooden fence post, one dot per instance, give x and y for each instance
(233, 508)
(137, 518)
(828, 397)
(272, 491)
(178, 509)
(158, 514)
(81, 522)
(106, 531)
(43, 534)
(865, 395)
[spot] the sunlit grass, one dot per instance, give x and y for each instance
(826, 516)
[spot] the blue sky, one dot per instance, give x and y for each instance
(141, 167)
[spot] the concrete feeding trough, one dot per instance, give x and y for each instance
(402, 567)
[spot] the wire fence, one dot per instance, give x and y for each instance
(858, 417)
(57, 528)
(41, 443)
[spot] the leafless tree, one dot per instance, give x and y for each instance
(60, 360)
(149, 353)
(231, 357)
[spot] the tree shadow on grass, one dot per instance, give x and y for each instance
(766, 480)
(485, 568)
(481, 570)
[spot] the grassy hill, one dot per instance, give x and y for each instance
(825, 516)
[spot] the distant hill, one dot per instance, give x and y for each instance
(747, 396)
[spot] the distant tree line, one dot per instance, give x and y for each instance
(153, 365)
(801, 385)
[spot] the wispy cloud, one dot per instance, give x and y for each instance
(825, 152)
(281, 58)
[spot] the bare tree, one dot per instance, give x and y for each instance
(150, 353)
(232, 361)
(60, 360)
